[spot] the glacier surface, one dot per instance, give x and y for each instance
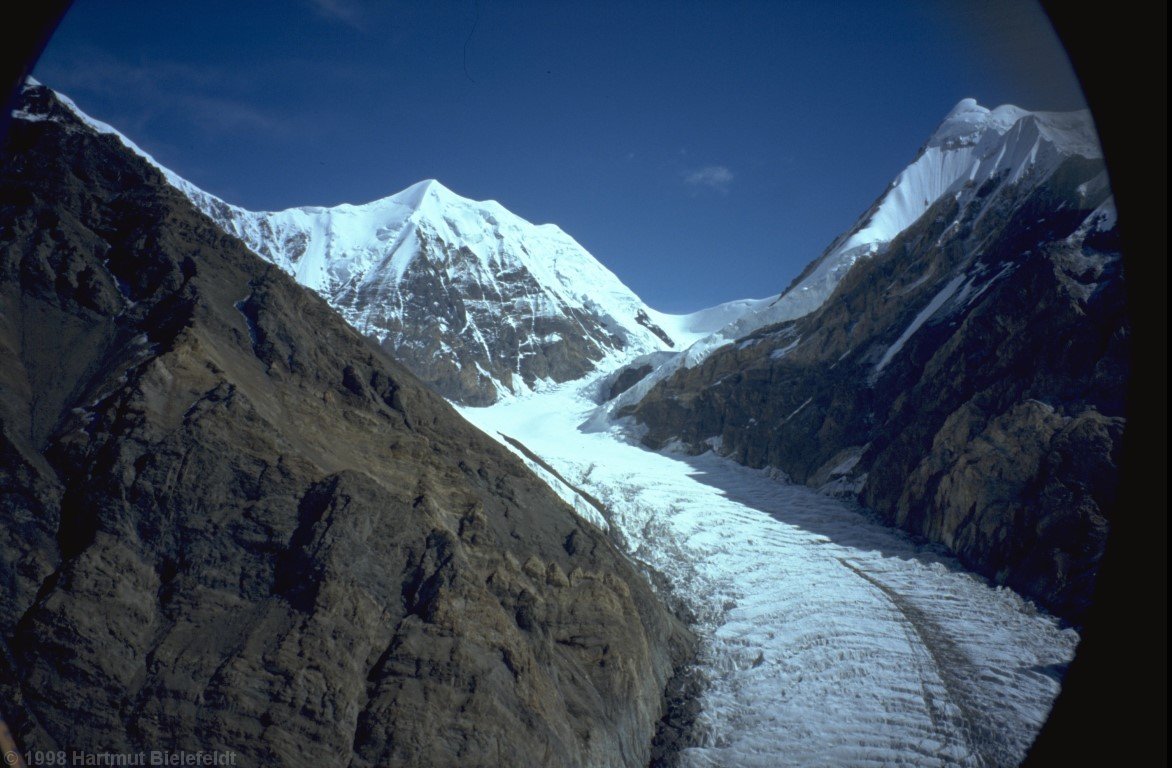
(827, 638)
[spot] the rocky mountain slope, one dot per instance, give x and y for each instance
(234, 524)
(962, 372)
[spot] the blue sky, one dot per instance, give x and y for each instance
(704, 151)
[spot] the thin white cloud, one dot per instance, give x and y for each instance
(340, 10)
(215, 100)
(717, 178)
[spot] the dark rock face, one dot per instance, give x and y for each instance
(232, 523)
(642, 319)
(967, 384)
(627, 378)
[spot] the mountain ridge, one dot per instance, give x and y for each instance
(479, 302)
(970, 147)
(974, 149)
(358, 256)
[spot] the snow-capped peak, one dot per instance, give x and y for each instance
(968, 121)
(967, 106)
(968, 124)
(459, 280)
(972, 145)
(426, 193)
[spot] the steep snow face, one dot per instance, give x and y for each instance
(975, 149)
(328, 249)
(973, 146)
(501, 268)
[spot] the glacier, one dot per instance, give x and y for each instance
(827, 637)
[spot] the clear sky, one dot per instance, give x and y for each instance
(703, 151)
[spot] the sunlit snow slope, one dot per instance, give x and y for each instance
(481, 303)
(478, 301)
(973, 146)
(829, 640)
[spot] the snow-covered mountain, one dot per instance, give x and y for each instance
(477, 301)
(481, 303)
(982, 159)
(974, 146)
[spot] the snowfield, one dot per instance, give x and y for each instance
(828, 639)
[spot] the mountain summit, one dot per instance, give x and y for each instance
(973, 147)
(476, 300)
(980, 159)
